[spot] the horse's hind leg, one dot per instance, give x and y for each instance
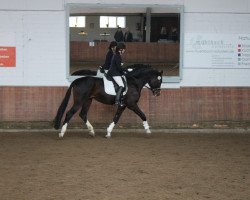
(83, 115)
(69, 115)
(115, 120)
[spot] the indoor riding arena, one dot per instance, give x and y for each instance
(185, 130)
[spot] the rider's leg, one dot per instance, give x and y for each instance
(118, 98)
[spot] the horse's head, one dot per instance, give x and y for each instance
(155, 83)
(149, 76)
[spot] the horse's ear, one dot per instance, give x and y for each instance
(161, 72)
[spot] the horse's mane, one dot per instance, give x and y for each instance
(138, 66)
(84, 72)
(136, 70)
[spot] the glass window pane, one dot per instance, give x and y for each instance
(77, 21)
(81, 21)
(112, 22)
(72, 21)
(121, 22)
(103, 21)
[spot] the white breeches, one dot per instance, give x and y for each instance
(118, 80)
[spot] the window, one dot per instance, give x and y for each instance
(150, 45)
(112, 22)
(77, 21)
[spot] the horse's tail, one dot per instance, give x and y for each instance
(62, 108)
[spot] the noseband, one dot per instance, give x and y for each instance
(153, 90)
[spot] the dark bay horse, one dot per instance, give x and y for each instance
(87, 88)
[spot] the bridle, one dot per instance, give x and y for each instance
(153, 90)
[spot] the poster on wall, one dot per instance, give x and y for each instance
(217, 50)
(7, 56)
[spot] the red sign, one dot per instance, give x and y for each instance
(7, 56)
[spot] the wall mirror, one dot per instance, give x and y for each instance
(156, 30)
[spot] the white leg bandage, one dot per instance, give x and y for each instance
(109, 129)
(146, 127)
(90, 128)
(64, 128)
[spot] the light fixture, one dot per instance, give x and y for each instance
(82, 33)
(104, 34)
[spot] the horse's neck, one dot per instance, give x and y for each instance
(142, 82)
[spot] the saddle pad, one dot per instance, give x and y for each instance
(109, 87)
(99, 73)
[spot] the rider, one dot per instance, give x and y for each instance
(115, 71)
(109, 55)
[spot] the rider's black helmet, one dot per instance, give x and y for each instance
(112, 44)
(120, 46)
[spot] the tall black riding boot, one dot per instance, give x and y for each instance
(118, 98)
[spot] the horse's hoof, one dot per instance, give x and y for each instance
(108, 136)
(60, 135)
(91, 134)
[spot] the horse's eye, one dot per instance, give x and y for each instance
(159, 77)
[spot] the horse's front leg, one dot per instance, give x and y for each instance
(138, 111)
(116, 118)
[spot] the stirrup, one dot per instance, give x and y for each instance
(121, 103)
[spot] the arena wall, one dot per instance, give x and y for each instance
(187, 105)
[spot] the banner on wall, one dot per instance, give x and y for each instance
(217, 50)
(7, 56)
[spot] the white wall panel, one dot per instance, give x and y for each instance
(11, 30)
(239, 6)
(31, 5)
(231, 6)
(40, 42)
(45, 49)
(216, 23)
(216, 77)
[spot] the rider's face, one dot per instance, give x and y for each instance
(122, 51)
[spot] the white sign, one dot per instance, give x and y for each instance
(217, 51)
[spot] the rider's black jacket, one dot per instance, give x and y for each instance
(108, 59)
(115, 68)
